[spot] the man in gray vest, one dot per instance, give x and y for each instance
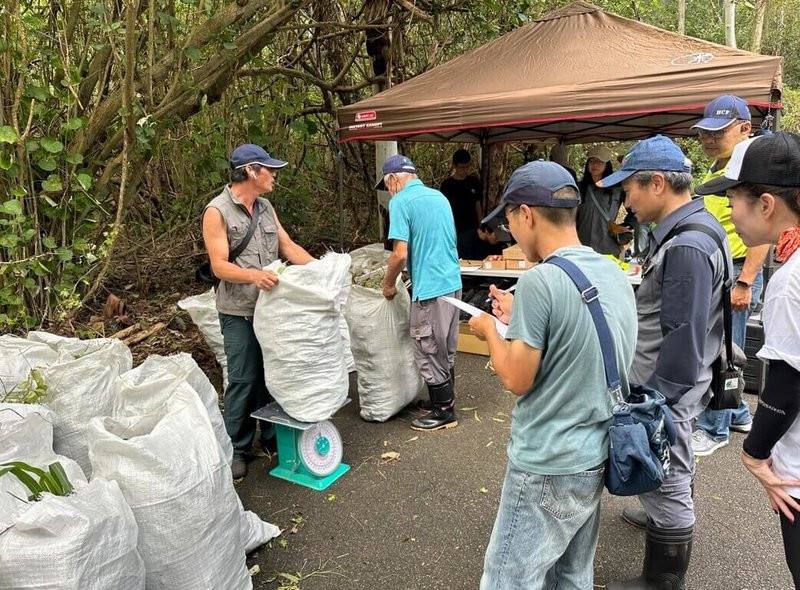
(226, 225)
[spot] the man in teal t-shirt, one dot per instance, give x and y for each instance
(546, 527)
(421, 225)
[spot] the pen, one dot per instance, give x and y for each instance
(511, 288)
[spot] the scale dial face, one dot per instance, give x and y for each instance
(320, 448)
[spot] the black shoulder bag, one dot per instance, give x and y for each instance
(204, 274)
(727, 381)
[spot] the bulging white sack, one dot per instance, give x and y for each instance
(26, 434)
(18, 357)
(149, 385)
(298, 325)
(78, 389)
(84, 541)
(203, 311)
(171, 471)
(388, 378)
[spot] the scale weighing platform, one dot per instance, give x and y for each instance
(309, 453)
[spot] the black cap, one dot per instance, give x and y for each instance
(772, 159)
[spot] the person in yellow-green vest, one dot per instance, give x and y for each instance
(725, 123)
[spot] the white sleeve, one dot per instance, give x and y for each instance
(782, 331)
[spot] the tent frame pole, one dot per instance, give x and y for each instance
(486, 163)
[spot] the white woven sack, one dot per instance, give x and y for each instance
(297, 324)
(203, 311)
(76, 348)
(18, 356)
(388, 379)
(81, 388)
(26, 434)
(172, 473)
(136, 393)
(84, 541)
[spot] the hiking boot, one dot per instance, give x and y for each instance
(744, 427)
(703, 445)
(442, 414)
(635, 516)
(238, 468)
(666, 560)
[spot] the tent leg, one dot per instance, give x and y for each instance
(340, 187)
(486, 164)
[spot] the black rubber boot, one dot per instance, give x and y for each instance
(666, 560)
(442, 415)
(424, 406)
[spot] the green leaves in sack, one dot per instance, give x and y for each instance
(39, 481)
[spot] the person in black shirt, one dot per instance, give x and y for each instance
(464, 191)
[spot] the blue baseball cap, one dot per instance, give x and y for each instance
(253, 154)
(535, 184)
(723, 111)
(657, 153)
(393, 164)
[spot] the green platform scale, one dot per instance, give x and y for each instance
(309, 453)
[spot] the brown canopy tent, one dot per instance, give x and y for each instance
(577, 75)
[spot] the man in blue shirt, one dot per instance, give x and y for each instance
(679, 305)
(421, 225)
(545, 533)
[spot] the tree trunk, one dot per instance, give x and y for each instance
(758, 29)
(681, 17)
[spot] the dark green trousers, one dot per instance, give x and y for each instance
(246, 390)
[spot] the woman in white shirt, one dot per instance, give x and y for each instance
(763, 184)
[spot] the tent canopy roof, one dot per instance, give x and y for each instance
(577, 75)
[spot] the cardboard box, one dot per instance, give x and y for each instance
(519, 264)
(467, 263)
(494, 265)
(469, 343)
(513, 253)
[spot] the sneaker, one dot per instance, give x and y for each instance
(703, 445)
(238, 468)
(746, 427)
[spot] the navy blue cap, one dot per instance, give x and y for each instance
(534, 184)
(722, 111)
(392, 165)
(253, 154)
(657, 153)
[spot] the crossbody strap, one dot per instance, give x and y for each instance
(589, 295)
(603, 213)
(251, 229)
(727, 312)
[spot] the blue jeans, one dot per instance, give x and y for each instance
(717, 423)
(545, 534)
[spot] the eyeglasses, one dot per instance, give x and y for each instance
(718, 134)
(504, 226)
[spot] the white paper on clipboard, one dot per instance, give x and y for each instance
(474, 311)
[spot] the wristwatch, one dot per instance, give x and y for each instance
(741, 283)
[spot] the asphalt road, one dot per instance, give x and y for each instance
(423, 520)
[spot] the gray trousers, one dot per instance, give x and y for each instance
(434, 329)
(671, 506)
